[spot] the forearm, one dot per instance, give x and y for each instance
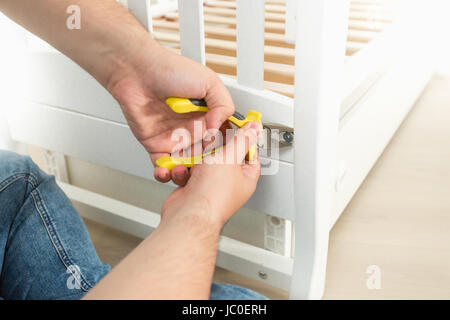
(103, 44)
(175, 262)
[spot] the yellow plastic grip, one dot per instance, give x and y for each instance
(188, 162)
(183, 105)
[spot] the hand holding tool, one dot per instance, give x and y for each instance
(183, 105)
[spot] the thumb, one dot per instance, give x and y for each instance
(219, 102)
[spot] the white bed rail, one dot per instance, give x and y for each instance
(319, 65)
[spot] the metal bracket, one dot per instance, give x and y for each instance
(284, 135)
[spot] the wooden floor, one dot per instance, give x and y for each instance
(398, 221)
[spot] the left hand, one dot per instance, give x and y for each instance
(151, 75)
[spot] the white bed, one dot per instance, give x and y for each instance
(350, 97)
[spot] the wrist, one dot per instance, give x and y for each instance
(198, 215)
(129, 57)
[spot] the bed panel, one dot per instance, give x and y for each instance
(115, 147)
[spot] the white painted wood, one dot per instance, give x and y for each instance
(366, 66)
(55, 164)
(72, 105)
(163, 6)
(250, 24)
(233, 255)
(192, 30)
(114, 146)
(367, 129)
(55, 80)
(118, 208)
(255, 262)
(290, 23)
(142, 11)
(12, 74)
(273, 106)
(320, 55)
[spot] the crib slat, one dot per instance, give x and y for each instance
(272, 53)
(250, 42)
(192, 31)
(276, 8)
(141, 10)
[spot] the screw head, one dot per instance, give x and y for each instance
(288, 137)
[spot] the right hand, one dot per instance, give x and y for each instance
(216, 191)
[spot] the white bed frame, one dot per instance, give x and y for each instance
(333, 149)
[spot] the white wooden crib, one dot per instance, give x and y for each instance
(343, 74)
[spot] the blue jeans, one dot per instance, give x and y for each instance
(45, 248)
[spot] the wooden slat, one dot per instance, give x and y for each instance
(221, 47)
(274, 72)
(280, 17)
(353, 47)
(280, 8)
(275, 39)
(366, 25)
(276, 8)
(368, 16)
(192, 34)
(277, 77)
(250, 43)
(275, 27)
(271, 53)
(229, 12)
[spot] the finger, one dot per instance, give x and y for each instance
(253, 169)
(242, 141)
(180, 175)
(251, 172)
(162, 174)
(219, 101)
(178, 135)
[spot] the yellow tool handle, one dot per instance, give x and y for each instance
(184, 105)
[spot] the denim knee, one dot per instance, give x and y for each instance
(13, 165)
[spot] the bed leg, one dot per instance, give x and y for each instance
(320, 39)
(310, 259)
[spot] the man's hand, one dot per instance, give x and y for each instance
(220, 185)
(116, 50)
(177, 260)
(142, 86)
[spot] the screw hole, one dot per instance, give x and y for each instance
(275, 221)
(262, 275)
